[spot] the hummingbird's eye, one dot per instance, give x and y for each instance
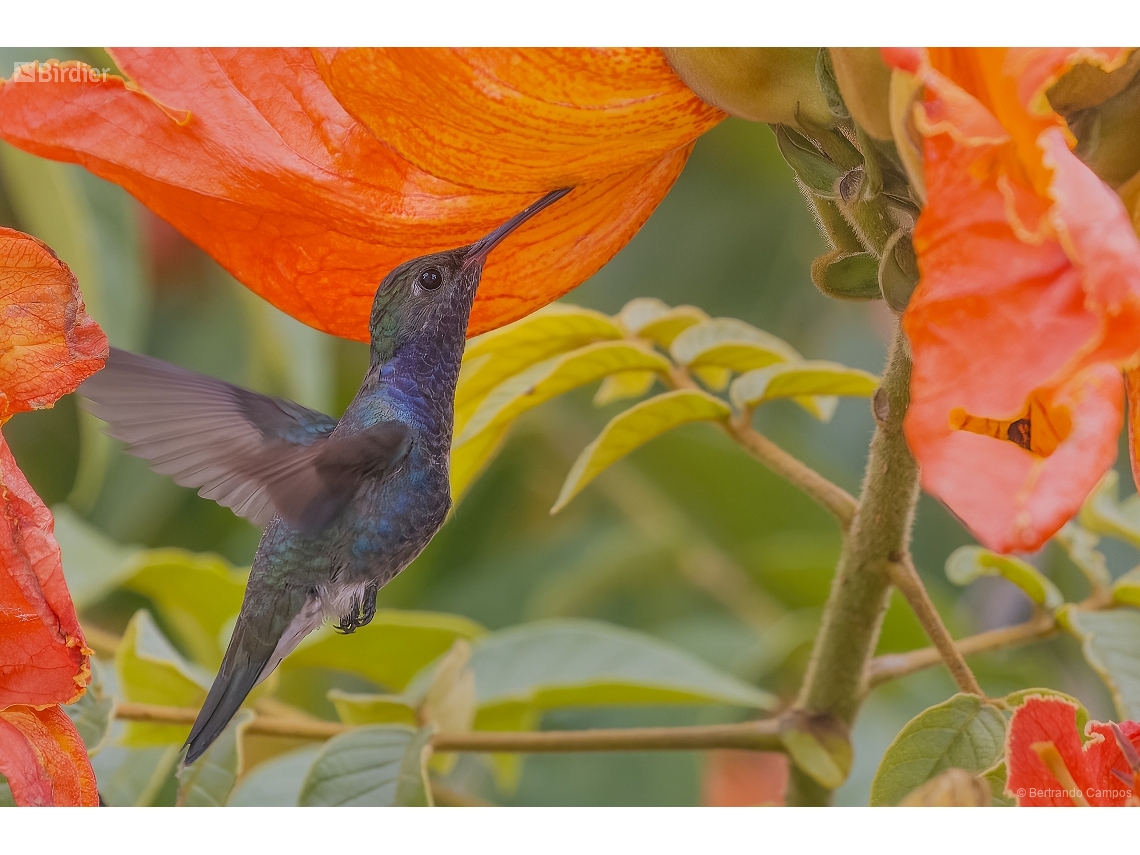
(430, 279)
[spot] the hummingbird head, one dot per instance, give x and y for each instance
(424, 295)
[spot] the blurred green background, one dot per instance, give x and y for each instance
(661, 543)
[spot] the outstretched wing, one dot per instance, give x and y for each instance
(252, 453)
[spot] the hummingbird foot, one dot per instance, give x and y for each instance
(363, 610)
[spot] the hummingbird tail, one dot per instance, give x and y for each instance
(249, 659)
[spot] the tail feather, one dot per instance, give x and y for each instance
(252, 654)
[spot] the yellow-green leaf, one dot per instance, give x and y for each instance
(389, 650)
(151, 671)
(712, 377)
(1126, 591)
(93, 564)
(968, 563)
(649, 318)
(491, 358)
(1104, 513)
(801, 379)
(1016, 699)
(729, 343)
(555, 376)
(360, 708)
(373, 766)
(196, 595)
(635, 427)
(623, 385)
(470, 459)
(1080, 544)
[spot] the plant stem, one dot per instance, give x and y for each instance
(895, 665)
(762, 735)
(831, 496)
(909, 583)
(853, 616)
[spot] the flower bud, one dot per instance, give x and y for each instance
(847, 276)
(815, 170)
(898, 271)
(772, 85)
(864, 79)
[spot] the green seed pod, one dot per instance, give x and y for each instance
(762, 84)
(898, 271)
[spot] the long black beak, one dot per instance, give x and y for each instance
(477, 253)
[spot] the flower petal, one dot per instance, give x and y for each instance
(43, 758)
(44, 655)
(530, 119)
(1043, 720)
(50, 344)
(250, 155)
(1048, 327)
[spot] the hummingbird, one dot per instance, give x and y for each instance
(346, 504)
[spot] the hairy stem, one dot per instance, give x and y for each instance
(909, 583)
(895, 665)
(853, 616)
(760, 735)
(831, 496)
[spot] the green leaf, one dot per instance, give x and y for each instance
(470, 459)
(729, 343)
(6, 799)
(208, 781)
(800, 380)
(491, 358)
(555, 376)
(1126, 590)
(558, 663)
(968, 563)
(151, 671)
(390, 650)
(363, 708)
(276, 782)
(995, 777)
(712, 377)
(91, 714)
(624, 385)
(374, 766)
(635, 427)
(963, 732)
(1111, 643)
(1080, 545)
(134, 777)
(1103, 513)
(93, 564)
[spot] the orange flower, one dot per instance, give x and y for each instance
(1047, 765)
(44, 760)
(310, 174)
(1029, 299)
(48, 347)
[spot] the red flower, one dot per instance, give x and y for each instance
(1029, 300)
(311, 174)
(1048, 767)
(48, 347)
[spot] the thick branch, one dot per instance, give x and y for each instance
(891, 667)
(757, 735)
(857, 603)
(909, 583)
